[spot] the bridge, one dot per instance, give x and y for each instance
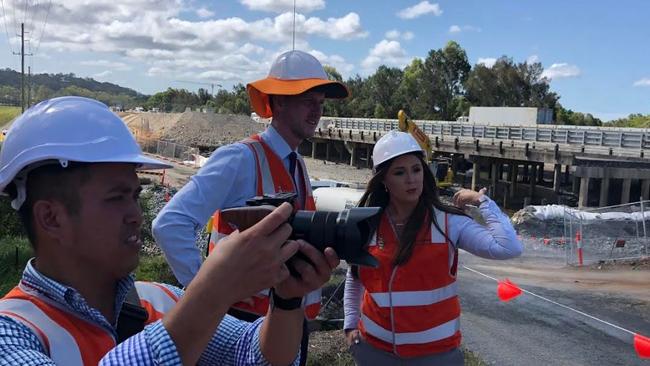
(602, 165)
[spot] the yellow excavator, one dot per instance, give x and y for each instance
(440, 166)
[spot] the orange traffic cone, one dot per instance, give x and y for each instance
(642, 346)
(547, 241)
(507, 290)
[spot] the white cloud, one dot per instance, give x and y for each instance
(487, 61)
(389, 53)
(465, 28)
(394, 34)
(280, 6)
(561, 71)
(204, 13)
(336, 61)
(103, 74)
(422, 8)
(121, 66)
(532, 59)
(155, 36)
(347, 27)
(642, 82)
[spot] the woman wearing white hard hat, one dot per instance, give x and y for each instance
(407, 309)
(292, 94)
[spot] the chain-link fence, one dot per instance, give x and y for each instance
(168, 149)
(607, 233)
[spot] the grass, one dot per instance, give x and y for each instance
(14, 254)
(7, 114)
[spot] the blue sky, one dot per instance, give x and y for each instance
(596, 53)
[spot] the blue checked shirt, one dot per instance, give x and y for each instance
(235, 342)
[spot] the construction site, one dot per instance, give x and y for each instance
(587, 267)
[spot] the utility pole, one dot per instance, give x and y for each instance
(22, 66)
(29, 86)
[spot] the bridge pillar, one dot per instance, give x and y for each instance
(584, 192)
(567, 174)
(575, 186)
(513, 178)
(314, 147)
(475, 174)
(327, 150)
(540, 173)
(533, 180)
(557, 173)
(525, 173)
(645, 189)
(368, 159)
(353, 154)
(625, 191)
(493, 187)
(604, 192)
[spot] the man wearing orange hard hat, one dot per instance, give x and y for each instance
(292, 95)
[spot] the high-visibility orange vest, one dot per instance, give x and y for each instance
(67, 338)
(412, 310)
(272, 177)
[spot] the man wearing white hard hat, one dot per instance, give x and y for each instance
(69, 166)
(292, 94)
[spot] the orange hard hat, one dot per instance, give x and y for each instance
(292, 73)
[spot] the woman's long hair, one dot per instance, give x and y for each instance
(377, 196)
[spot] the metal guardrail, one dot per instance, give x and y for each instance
(626, 138)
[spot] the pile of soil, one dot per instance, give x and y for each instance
(209, 130)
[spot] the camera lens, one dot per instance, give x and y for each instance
(348, 232)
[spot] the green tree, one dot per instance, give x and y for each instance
(445, 71)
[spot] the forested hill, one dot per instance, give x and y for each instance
(44, 86)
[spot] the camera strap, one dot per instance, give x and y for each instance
(132, 316)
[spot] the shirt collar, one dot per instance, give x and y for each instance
(276, 142)
(66, 295)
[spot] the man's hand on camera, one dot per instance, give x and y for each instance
(254, 258)
(312, 275)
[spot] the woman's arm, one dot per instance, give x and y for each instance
(497, 240)
(352, 297)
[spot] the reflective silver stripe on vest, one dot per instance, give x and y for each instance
(436, 236)
(64, 349)
(442, 331)
(415, 298)
(154, 295)
(268, 187)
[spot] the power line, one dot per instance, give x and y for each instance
(4, 20)
(38, 45)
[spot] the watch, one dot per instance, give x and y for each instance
(284, 304)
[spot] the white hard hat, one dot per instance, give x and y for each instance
(67, 129)
(392, 145)
(292, 73)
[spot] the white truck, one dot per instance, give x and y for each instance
(510, 116)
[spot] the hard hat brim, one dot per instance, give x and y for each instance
(259, 91)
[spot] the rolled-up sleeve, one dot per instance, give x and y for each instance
(496, 240)
(227, 180)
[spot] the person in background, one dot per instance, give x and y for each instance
(406, 311)
(292, 94)
(69, 165)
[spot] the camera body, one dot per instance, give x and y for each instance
(348, 231)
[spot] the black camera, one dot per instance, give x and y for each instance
(348, 231)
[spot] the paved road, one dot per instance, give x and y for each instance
(530, 331)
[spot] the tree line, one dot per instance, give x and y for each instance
(442, 86)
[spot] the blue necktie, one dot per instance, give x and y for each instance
(292, 168)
